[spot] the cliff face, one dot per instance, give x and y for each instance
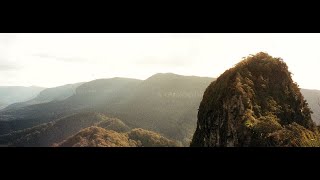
(255, 103)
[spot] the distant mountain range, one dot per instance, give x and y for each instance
(47, 95)
(14, 94)
(313, 99)
(165, 103)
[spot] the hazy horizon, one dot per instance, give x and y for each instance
(50, 60)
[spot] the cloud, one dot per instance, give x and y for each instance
(6, 66)
(173, 62)
(7, 39)
(184, 58)
(60, 58)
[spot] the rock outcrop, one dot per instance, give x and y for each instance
(255, 103)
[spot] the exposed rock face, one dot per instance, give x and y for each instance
(253, 104)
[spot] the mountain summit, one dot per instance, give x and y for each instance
(255, 103)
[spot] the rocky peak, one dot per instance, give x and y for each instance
(251, 104)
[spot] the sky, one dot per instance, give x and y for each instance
(50, 60)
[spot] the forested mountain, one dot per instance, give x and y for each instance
(255, 103)
(165, 103)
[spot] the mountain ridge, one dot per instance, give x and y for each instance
(163, 104)
(49, 94)
(14, 94)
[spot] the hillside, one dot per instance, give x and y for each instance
(100, 137)
(255, 103)
(114, 124)
(58, 130)
(165, 103)
(145, 138)
(101, 92)
(87, 129)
